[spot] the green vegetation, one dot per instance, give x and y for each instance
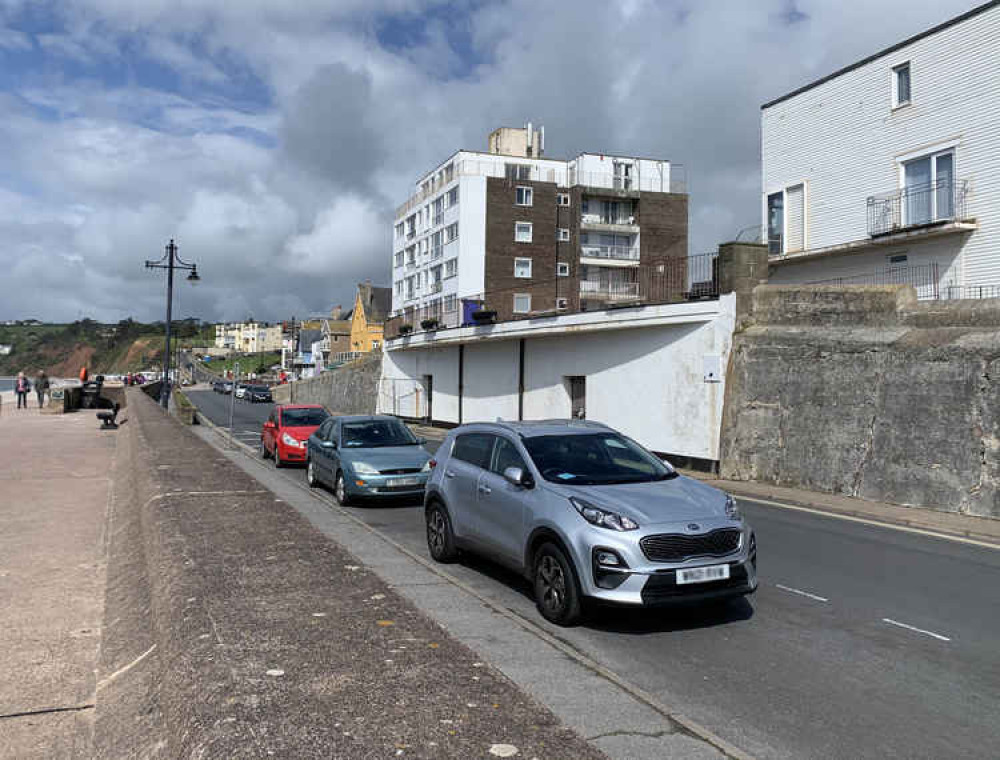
(256, 363)
(62, 349)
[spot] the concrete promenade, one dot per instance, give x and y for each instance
(54, 488)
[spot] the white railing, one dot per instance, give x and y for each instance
(618, 252)
(670, 180)
(610, 290)
(603, 219)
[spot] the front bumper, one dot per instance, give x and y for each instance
(386, 486)
(291, 453)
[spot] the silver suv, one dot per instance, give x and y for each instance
(585, 512)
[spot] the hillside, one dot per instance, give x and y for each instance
(61, 350)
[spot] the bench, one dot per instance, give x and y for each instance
(109, 417)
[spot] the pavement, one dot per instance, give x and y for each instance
(54, 490)
(872, 634)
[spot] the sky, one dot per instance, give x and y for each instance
(273, 139)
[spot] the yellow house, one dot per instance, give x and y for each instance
(371, 308)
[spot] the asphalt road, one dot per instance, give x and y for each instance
(862, 642)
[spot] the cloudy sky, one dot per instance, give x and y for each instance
(272, 138)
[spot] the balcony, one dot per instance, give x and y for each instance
(621, 223)
(619, 253)
(917, 206)
(609, 290)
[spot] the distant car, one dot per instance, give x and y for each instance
(584, 512)
(241, 390)
(258, 394)
(287, 429)
(226, 387)
(217, 386)
(367, 456)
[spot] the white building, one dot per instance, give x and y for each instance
(249, 337)
(889, 169)
(533, 234)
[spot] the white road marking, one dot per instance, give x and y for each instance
(918, 630)
(791, 590)
(877, 523)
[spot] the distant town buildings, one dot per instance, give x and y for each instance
(518, 233)
(249, 337)
(889, 169)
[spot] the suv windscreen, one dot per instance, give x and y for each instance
(594, 459)
(303, 417)
(376, 433)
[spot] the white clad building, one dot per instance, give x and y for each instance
(889, 169)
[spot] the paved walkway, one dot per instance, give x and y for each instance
(53, 498)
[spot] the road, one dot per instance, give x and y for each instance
(862, 642)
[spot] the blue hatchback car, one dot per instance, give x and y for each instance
(367, 456)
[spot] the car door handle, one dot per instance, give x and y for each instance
(485, 489)
(449, 473)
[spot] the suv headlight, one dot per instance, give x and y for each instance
(363, 468)
(732, 508)
(602, 518)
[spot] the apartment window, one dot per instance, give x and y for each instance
(450, 304)
(562, 269)
(399, 287)
(522, 232)
(775, 222)
(562, 304)
(399, 259)
(523, 196)
(522, 268)
(451, 267)
(411, 226)
(929, 188)
(901, 85)
(562, 199)
(517, 171)
(563, 235)
(436, 245)
(449, 172)
(452, 232)
(453, 197)
(399, 230)
(411, 255)
(522, 303)
(438, 210)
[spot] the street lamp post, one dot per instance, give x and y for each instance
(171, 261)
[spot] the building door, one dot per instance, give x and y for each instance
(577, 385)
(429, 394)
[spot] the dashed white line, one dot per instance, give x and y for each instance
(937, 636)
(791, 590)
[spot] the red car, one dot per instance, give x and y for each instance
(286, 430)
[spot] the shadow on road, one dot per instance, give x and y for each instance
(678, 617)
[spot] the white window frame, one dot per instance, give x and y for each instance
(562, 304)
(449, 237)
(562, 269)
(894, 84)
(521, 260)
(530, 232)
(527, 193)
(451, 264)
(931, 153)
(784, 215)
(563, 235)
(562, 199)
(526, 296)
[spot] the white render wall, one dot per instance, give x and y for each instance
(646, 381)
(471, 236)
(844, 141)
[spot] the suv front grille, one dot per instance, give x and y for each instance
(677, 547)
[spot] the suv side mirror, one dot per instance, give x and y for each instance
(519, 477)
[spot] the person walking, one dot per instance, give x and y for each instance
(42, 387)
(21, 388)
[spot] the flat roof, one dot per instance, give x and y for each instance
(892, 48)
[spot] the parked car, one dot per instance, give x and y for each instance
(287, 429)
(258, 393)
(241, 390)
(226, 387)
(367, 456)
(585, 513)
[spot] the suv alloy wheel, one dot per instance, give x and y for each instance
(557, 591)
(440, 538)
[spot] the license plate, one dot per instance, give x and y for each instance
(405, 482)
(702, 574)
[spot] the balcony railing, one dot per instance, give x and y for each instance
(610, 290)
(917, 206)
(624, 219)
(616, 252)
(671, 180)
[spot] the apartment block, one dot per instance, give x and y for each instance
(888, 170)
(519, 234)
(248, 337)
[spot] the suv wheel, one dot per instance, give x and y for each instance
(557, 591)
(440, 538)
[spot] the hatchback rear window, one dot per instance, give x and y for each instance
(303, 417)
(474, 448)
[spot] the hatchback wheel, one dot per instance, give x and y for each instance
(557, 591)
(440, 539)
(340, 490)
(277, 458)
(264, 454)
(311, 478)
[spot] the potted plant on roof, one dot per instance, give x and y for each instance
(405, 329)
(484, 316)
(431, 323)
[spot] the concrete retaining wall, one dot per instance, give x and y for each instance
(350, 389)
(864, 392)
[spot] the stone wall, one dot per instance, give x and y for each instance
(866, 392)
(349, 389)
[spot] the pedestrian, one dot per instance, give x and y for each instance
(41, 387)
(21, 388)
